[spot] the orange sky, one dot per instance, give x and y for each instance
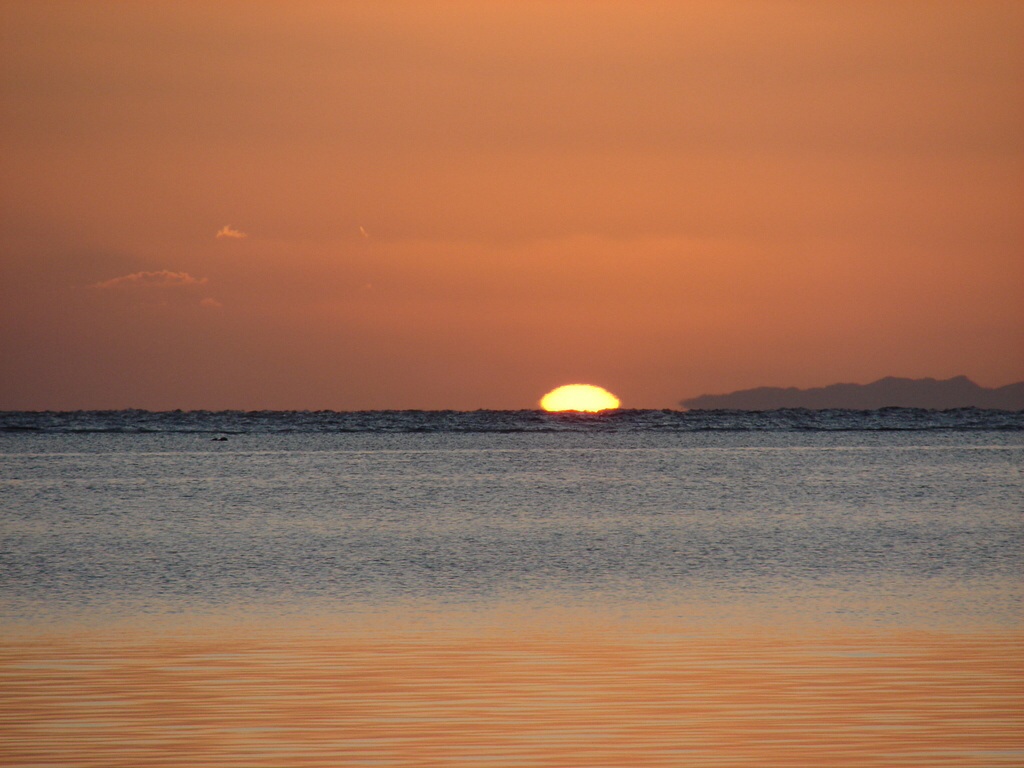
(465, 204)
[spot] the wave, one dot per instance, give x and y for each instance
(270, 422)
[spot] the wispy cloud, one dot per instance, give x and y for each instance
(228, 231)
(210, 303)
(363, 232)
(160, 279)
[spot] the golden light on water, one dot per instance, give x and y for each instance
(884, 697)
(579, 397)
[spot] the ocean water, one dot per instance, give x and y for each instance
(512, 588)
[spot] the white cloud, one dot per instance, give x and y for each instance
(160, 279)
(227, 231)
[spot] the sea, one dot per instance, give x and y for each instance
(512, 588)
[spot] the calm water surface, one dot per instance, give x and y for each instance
(511, 590)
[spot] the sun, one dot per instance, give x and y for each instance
(579, 397)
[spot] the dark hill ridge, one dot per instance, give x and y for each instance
(958, 392)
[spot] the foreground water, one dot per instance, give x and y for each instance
(640, 588)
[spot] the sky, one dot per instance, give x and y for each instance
(462, 205)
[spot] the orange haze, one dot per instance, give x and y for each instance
(464, 204)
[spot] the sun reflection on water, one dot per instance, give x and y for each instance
(596, 696)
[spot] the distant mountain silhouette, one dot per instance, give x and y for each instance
(958, 392)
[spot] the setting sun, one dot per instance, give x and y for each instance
(579, 397)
